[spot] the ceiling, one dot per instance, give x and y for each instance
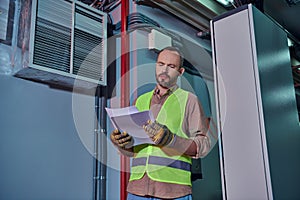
(285, 12)
(198, 13)
(286, 15)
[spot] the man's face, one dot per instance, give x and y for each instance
(168, 68)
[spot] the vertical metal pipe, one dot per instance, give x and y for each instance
(96, 146)
(103, 145)
(124, 161)
(100, 145)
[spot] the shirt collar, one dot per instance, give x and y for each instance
(169, 91)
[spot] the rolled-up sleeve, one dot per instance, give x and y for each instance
(195, 125)
(203, 146)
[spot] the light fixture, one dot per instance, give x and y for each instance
(290, 42)
(226, 3)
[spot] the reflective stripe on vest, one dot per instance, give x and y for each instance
(155, 160)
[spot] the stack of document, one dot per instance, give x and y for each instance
(131, 120)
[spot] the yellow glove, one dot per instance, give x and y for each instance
(122, 140)
(160, 134)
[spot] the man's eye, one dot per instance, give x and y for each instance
(160, 64)
(172, 66)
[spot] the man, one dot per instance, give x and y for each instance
(162, 170)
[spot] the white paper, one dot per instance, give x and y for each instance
(131, 120)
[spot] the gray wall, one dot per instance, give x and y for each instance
(41, 154)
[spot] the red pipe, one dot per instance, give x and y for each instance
(124, 161)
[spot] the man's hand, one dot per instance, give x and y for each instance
(160, 134)
(122, 140)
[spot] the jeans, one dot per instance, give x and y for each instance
(135, 197)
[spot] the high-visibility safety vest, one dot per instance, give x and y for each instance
(151, 159)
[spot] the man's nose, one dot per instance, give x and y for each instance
(165, 68)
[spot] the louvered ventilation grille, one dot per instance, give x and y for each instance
(87, 61)
(52, 45)
(70, 40)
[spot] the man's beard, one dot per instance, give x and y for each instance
(164, 83)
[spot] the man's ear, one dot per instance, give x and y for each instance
(181, 70)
